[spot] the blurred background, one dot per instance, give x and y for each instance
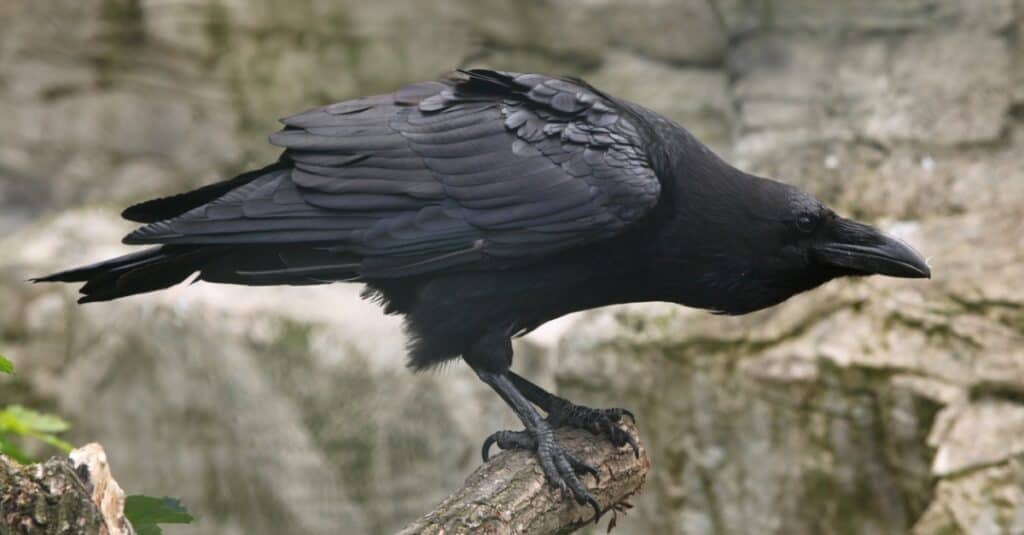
(865, 407)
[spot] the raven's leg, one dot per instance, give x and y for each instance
(490, 358)
(564, 413)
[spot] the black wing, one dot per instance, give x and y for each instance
(497, 165)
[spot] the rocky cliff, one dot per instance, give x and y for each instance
(868, 406)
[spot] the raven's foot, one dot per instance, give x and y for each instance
(561, 468)
(564, 413)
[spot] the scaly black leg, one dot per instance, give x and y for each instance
(562, 412)
(558, 464)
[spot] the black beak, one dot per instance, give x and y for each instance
(865, 249)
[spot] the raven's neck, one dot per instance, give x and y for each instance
(698, 255)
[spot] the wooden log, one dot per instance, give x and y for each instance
(64, 495)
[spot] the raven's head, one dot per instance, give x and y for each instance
(767, 241)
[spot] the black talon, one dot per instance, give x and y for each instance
(485, 450)
(506, 440)
(597, 509)
(597, 421)
(561, 468)
(562, 412)
(580, 493)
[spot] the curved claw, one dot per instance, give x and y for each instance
(598, 421)
(597, 509)
(485, 451)
(505, 440)
(561, 468)
(581, 495)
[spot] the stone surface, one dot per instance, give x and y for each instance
(695, 97)
(977, 435)
(871, 406)
(674, 32)
(863, 392)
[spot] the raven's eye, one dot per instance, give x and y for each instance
(805, 223)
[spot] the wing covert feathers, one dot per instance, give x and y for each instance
(494, 165)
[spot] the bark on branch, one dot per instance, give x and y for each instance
(509, 494)
(64, 495)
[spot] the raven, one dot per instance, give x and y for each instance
(485, 204)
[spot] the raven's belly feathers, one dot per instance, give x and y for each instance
(445, 314)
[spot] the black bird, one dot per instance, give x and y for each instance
(483, 205)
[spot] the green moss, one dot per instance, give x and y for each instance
(125, 20)
(342, 33)
(218, 27)
(123, 33)
(294, 336)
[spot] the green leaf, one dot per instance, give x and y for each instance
(17, 420)
(6, 366)
(148, 529)
(53, 440)
(145, 512)
(22, 421)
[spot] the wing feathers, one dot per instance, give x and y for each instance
(432, 176)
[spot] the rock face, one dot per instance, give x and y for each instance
(867, 406)
(853, 399)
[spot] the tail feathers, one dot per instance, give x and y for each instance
(166, 265)
(145, 271)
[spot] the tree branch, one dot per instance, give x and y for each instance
(509, 493)
(73, 494)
